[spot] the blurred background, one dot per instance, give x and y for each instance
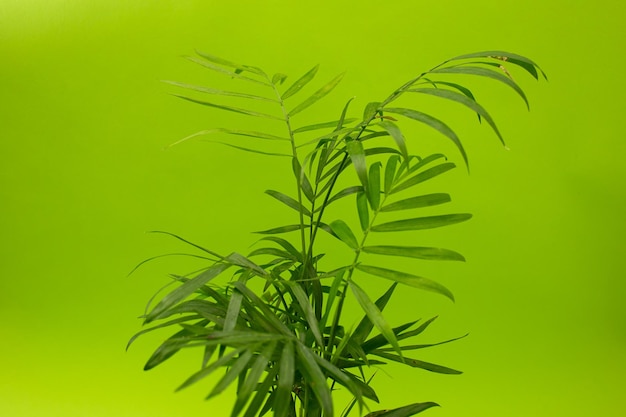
(85, 118)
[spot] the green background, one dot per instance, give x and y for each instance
(84, 119)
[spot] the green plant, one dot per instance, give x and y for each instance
(276, 326)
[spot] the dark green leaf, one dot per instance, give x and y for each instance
(343, 232)
(250, 384)
(460, 98)
(223, 361)
(186, 290)
(343, 193)
(281, 229)
(407, 279)
(370, 111)
(236, 368)
(374, 314)
(418, 252)
(373, 189)
(357, 156)
(406, 411)
(290, 202)
(390, 172)
(286, 374)
(420, 223)
(416, 363)
(397, 136)
(305, 306)
(315, 378)
(365, 326)
(261, 393)
(301, 82)
(435, 123)
(285, 244)
(418, 202)
(316, 96)
(484, 72)
(361, 206)
(302, 179)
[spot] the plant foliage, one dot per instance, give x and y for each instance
(286, 347)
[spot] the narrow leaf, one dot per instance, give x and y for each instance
(250, 384)
(397, 136)
(286, 375)
(510, 57)
(278, 78)
(416, 363)
(357, 156)
(237, 367)
(365, 326)
(418, 202)
(301, 82)
(247, 133)
(316, 379)
(435, 123)
(229, 108)
(317, 95)
(286, 245)
(406, 411)
(324, 125)
(223, 361)
(222, 61)
(305, 305)
(417, 252)
(344, 193)
(390, 172)
(375, 315)
(214, 91)
(343, 232)
(407, 279)
(373, 189)
(281, 229)
(288, 201)
(420, 223)
(363, 211)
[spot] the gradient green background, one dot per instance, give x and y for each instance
(83, 174)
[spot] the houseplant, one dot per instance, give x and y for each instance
(274, 327)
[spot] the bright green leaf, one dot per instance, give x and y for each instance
(417, 252)
(420, 223)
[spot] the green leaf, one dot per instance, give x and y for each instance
(286, 374)
(288, 201)
(417, 252)
(435, 123)
(375, 315)
(424, 176)
(233, 74)
(420, 223)
(278, 78)
(370, 110)
(317, 95)
(418, 202)
(229, 108)
(484, 72)
(361, 206)
(343, 232)
(166, 324)
(186, 290)
(416, 363)
(365, 326)
(373, 189)
(301, 82)
(324, 125)
(357, 156)
(222, 61)
(406, 411)
(261, 393)
(390, 172)
(243, 148)
(302, 179)
(396, 134)
(316, 379)
(425, 161)
(305, 305)
(250, 384)
(247, 133)
(424, 346)
(407, 279)
(286, 245)
(460, 98)
(237, 367)
(344, 193)
(520, 60)
(281, 229)
(204, 372)
(207, 90)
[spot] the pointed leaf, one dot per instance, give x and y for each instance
(344, 193)
(250, 384)
(375, 315)
(305, 305)
(418, 202)
(370, 111)
(207, 90)
(460, 98)
(261, 393)
(233, 74)
(363, 211)
(222, 61)
(417, 252)
(365, 326)
(317, 95)
(397, 136)
(324, 125)
(278, 78)
(316, 379)
(373, 189)
(390, 172)
(281, 229)
(243, 148)
(435, 123)
(484, 72)
(237, 367)
(229, 108)
(286, 245)
(520, 60)
(186, 290)
(420, 223)
(290, 202)
(407, 279)
(416, 363)
(286, 375)
(301, 82)
(357, 156)
(223, 361)
(406, 411)
(343, 232)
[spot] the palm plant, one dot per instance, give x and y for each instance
(275, 328)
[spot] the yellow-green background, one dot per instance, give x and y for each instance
(84, 120)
